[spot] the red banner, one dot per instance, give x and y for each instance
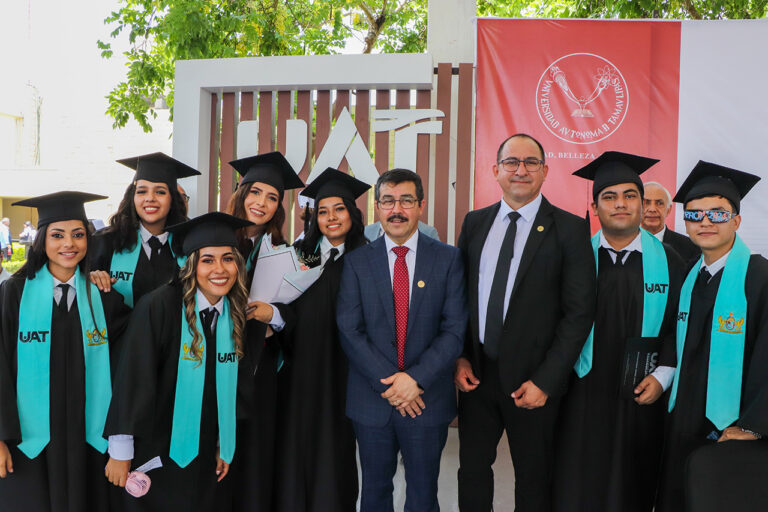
(580, 87)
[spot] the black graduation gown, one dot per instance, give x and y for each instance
(608, 446)
(688, 425)
(251, 473)
(316, 468)
(68, 475)
(149, 274)
(143, 402)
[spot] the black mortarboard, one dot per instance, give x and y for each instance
(270, 168)
(334, 183)
(708, 179)
(60, 206)
(614, 167)
(214, 229)
(159, 168)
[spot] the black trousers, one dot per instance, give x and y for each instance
(484, 414)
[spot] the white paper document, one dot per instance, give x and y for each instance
(268, 274)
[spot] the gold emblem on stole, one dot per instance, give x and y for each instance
(96, 337)
(187, 356)
(730, 324)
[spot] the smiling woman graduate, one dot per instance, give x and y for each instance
(259, 199)
(57, 348)
(175, 391)
(135, 253)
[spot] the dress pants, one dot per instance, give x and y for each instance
(484, 414)
(421, 447)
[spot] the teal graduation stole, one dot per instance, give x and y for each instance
(190, 381)
(726, 352)
(34, 359)
(123, 268)
(251, 259)
(655, 294)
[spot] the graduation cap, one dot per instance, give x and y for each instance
(214, 229)
(270, 168)
(159, 168)
(708, 179)
(334, 183)
(614, 167)
(60, 206)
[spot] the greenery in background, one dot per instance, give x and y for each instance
(17, 260)
(163, 31)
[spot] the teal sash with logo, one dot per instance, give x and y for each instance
(34, 359)
(655, 294)
(123, 268)
(729, 327)
(190, 381)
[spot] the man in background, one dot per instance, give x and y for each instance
(657, 204)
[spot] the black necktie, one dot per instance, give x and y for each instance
(208, 316)
(332, 257)
(619, 256)
(155, 244)
(704, 276)
(494, 318)
(63, 301)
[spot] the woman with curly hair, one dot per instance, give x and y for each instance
(316, 469)
(136, 254)
(58, 345)
(259, 199)
(175, 390)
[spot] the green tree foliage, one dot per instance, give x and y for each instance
(163, 31)
(675, 9)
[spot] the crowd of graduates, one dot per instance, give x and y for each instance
(136, 374)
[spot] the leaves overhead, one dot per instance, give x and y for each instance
(163, 31)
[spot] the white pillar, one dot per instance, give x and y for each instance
(451, 30)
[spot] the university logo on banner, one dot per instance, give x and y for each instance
(580, 87)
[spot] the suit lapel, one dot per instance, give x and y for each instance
(379, 265)
(541, 227)
(421, 274)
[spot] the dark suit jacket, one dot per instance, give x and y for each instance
(682, 245)
(552, 305)
(437, 321)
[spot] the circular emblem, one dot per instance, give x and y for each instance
(582, 98)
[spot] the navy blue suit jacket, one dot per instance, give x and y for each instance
(437, 322)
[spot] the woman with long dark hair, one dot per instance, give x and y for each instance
(316, 469)
(135, 254)
(58, 345)
(258, 198)
(175, 391)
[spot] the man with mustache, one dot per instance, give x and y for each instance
(657, 203)
(531, 286)
(401, 313)
(611, 426)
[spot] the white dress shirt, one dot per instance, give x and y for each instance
(146, 235)
(410, 259)
(660, 234)
(716, 266)
(663, 374)
(121, 445)
(490, 255)
(70, 293)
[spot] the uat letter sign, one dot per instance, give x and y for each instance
(580, 87)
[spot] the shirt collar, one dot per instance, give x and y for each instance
(146, 235)
(716, 266)
(70, 282)
(203, 304)
(411, 243)
(634, 245)
(660, 234)
(527, 212)
(326, 246)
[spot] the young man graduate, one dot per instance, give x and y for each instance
(611, 426)
(720, 392)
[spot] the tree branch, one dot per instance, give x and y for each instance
(691, 9)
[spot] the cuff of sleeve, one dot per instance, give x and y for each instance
(277, 323)
(121, 447)
(665, 375)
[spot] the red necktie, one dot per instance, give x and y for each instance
(400, 290)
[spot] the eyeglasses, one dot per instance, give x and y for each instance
(531, 164)
(388, 203)
(714, 216)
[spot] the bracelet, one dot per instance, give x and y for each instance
(747, 431)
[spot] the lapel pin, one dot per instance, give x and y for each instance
(421, 284)
(540, 229)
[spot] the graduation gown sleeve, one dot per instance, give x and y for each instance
(10, 298)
